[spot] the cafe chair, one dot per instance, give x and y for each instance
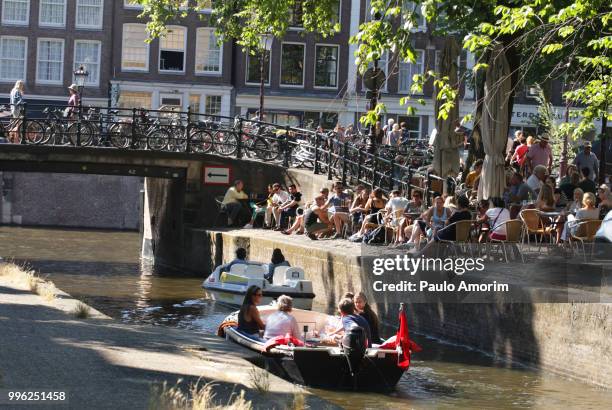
(221, 213)
(393, 225)
(532, 224)
(585, 233)
(462, 236)
(514, 234)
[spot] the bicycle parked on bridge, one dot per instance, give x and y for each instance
(12, 128)
(59, 130)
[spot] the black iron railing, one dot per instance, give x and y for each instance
(351, 160)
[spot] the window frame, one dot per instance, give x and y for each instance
(127, 5)
(314, 77)
(147, 45)
(62, 61)
(205, 111)
(25, 58)
(16, 23)
(85, 26)
(280, 71)
(246, 70)
(51, 25)
(208, 73)
(88, 84)
(173, 72)
(422, 23)
(402, 90)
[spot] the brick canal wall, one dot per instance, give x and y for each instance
(573, 340)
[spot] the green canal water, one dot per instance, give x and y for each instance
(104, 269)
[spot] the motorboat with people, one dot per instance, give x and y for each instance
(230, 286)
(323, 361)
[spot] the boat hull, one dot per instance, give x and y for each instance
(235, 297)
(327, 367)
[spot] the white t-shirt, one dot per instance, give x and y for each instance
(281, 323)
(496, 222)
(280, 197)
(398, 203)
(534, 183)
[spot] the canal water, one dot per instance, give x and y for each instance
(103, 269)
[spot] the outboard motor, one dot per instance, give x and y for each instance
(354, 345)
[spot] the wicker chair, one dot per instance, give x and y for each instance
(462, 235)
(514, 235)
(533, 225)
(585, 233)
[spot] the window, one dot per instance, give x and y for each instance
(382, 64)
(87, 54)
(89, 13)
(213, 105)
(50, 61)
(172, 50)
(326, 66)
(15, 11)
(52, 13)
(172, 102)
(421, 22)
(208, 52)
(407, 70)
(292, 64)
(413, 124)
(135, 51)
(254, 68)
(194, 103)
(134, 99)
(131, 4)
(13, 58)
(296, 15)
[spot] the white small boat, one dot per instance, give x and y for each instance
(230, 287)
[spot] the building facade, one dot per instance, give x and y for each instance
(43, 42)
(309, 80)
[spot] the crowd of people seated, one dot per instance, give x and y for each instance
(358, 213)
(354, 311)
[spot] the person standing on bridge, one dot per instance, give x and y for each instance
(73, 101)
(16, 99)
(232, 202)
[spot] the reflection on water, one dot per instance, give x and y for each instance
(103, 268)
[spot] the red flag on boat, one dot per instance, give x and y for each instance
(402, 340)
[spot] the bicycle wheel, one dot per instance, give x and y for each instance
(158, 139)
(266, 150)
(201, 141)
(226, 142)
(35, 132)
(87, 133)
(118, 137)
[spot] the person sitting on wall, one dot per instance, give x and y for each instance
(232, 203)
(282, 323)
(278, 259)
(316, 221)
(289, 208)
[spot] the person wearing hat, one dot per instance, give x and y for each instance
(540, 154)
(73, 101)
(587, 159)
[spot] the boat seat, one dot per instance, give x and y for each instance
(254, 271)
(238, 269)
(286, 274)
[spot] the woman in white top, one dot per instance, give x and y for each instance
(17, 99)
(281, 323)
(588, 211)
(495, 217)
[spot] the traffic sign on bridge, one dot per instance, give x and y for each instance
(214, 175)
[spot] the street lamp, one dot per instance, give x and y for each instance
(80, 76)
(265, 45)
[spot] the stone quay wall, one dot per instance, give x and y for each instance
(570, 339)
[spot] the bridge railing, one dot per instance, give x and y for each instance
(350, 159)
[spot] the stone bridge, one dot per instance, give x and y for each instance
(178, 203)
